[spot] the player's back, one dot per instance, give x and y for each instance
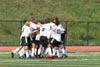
(43, 30)
(57, 33)
(25, 31)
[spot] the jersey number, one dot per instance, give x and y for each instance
(58, 31)
(43, 29)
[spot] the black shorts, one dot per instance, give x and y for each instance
(54, 42)
(63, 38)
(25, 41)
(44, 41)
(37, 42)
(32, 37)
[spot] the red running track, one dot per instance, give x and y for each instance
(69, 48)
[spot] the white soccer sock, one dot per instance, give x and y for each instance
(54, 51)
(39, 51)
(30, 52)
(63, 51)
(58, 52)
(27, 53)
(16, 50)
(21, 52)
(49, 51)
(33, 52)
(46, 52)
(42, 51)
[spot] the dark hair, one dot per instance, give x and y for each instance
(32, 18)
(57, 21)
(51, 19)
(25, 21)
(47, 20)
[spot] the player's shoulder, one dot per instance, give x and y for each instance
(52, 23)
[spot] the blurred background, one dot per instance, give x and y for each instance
(80, 18)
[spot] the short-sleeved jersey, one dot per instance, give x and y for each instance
(43, 30)
(61, 28)
(25, 31)
(50, 26)
(57, 33)
(33, 26)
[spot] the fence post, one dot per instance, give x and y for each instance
(87, 33)
(21, 27)
(66, 36)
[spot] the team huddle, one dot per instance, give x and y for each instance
(42, 40)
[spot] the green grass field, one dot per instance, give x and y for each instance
(75, 59)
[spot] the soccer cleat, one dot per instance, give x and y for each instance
(19, 56)
(12, 54)
(64, 56)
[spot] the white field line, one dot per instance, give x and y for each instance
(74, 54)
(5, 52)
(58, 65)
(39, 61)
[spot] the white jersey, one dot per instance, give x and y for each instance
(61, 28)
(43, 30)
(50, 26)
(25, 31)
(57, 33)
(33, 26)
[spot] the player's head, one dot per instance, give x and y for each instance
(32, 19)
(47, 20)
(27, 23)
(51, 19)
(56, 21)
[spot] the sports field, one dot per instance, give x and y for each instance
(75, 59)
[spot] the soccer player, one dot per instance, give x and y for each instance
(56, 41)
(62, 46)
(50, 26)
(19, 48)
(33, 27)
(37, 38)
(43, 39)
(25, 39)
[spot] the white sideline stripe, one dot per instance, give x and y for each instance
(68, 55)
(39, 61)
(49, 65)
(5, 52)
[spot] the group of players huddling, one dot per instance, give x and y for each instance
(42, 39)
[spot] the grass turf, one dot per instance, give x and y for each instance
(75, 59)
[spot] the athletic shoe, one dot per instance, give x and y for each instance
(64, 56)
(19, 57)
(12, 54)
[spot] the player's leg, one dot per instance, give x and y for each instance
(15, 51)
(23, 51)
(32, 37)
(40, 50)
(33, 50)
(48, 49)
(64, 51)
(25, 42)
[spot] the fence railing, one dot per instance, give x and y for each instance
(80, 33)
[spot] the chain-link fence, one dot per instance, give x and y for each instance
(10, 32)
(82, 33)
(78, 32)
